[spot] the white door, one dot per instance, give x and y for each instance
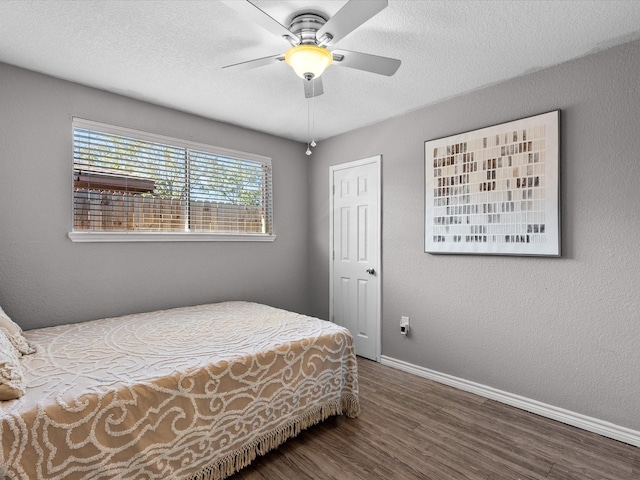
(355, 257)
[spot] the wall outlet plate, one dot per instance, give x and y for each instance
(404, 325)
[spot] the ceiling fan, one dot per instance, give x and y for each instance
(310, 35)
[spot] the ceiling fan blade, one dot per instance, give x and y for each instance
(347, 19)
(313, 88)
(364, 61)
(250, 11)
(258, 62)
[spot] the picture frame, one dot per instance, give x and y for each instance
(495, 190)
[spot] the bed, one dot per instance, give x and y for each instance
(190, 393)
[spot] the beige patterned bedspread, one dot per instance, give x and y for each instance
(194, 392)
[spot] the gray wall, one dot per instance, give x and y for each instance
(45, 279)
(563, 331)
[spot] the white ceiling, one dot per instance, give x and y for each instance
(171, 53)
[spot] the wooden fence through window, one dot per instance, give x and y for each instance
(120, 211)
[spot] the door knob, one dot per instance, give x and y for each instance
(371, 271)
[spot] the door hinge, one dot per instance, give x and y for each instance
(333, 255)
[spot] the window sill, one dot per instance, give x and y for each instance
(167, 237)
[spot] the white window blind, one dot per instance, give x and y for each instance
(131, 181)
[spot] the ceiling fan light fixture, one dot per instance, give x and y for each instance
(308, 61)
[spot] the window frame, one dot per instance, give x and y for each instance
(168, 236)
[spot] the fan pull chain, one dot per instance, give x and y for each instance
(313, 113)
(308, 152)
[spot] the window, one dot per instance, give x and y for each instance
(130, 185)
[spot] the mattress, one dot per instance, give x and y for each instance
(188, 393)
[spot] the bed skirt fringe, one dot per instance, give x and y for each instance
(234, 462)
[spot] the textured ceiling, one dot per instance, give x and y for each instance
(171, 52)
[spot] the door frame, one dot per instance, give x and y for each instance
(377, 160)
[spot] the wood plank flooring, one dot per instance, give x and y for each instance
(413, 428)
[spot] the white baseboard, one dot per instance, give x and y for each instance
(584, 422)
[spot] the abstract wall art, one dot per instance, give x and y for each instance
(495, 190)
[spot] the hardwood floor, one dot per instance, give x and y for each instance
(413, 428)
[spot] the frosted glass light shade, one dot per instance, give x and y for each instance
(308, 61)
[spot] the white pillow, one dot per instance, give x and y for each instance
(11, 373)
(15, 334)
